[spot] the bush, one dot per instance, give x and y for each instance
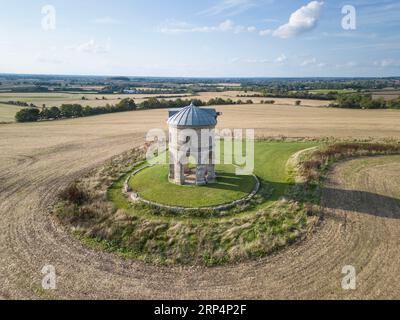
(28, 115)
(71, 110)
(126, 105)
(52, 113)
(74, 194)
(269, 102)
(364, 101)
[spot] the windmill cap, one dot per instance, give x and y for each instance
(192, 116)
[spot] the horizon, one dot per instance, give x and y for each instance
(211, 39)
(104, 76)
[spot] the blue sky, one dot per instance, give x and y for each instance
(208, 38)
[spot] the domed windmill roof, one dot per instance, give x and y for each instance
(192, 116)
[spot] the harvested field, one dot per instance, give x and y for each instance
(92, 100)
(267, 120)
(387, 95)
(7, 112)
(360, 228)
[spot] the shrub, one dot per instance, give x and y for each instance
(74, 194)
(71, 110)
(48, 114)
(28, 115)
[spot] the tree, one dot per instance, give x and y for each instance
(52, 113)
(126, 105)
(55, 113)
(28, 115)
(71, 111)
(88, 111)
(394, 104)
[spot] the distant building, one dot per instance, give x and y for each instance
(130, 91)
(201, 152)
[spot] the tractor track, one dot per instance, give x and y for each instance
(361, 227)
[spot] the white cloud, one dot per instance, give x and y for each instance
(308, 62)
(384, 63)
(281, 59)
(351, 64)
(92, 47)
(266, 32)
(174, 27)
(229, 7)
(48, 59)
(226, 26)
(233, 60)
(106, 21)
(313, 62)
(257, 61)
(302, 20)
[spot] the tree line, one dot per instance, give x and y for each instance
(154, 103)
(364, 101)
(332, 95)
(19, 104)
(67, 111)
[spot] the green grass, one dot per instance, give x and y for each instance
(152, 184)
(283, 217)
(7, 112)
(270, 168)
(141, 232)
(270, 164)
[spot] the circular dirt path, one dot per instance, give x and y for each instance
(361, 228)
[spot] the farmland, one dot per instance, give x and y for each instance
(222, 150)
(39, 159)
(7, 113)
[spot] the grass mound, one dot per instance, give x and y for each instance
(109, 221)
(152, 184)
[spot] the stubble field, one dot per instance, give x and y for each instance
(360, 226)
(7, 112)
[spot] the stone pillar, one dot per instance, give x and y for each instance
(179, 174)
(171, 165)
(171, 172)
(211, 175)
(201, 175)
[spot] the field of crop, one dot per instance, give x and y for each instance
(7, 112)
(360, 227)
(386, 94)
(57, 99)
(98, 100)
(322, 91)
(325, 91)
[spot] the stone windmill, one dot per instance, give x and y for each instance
(201, 122)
